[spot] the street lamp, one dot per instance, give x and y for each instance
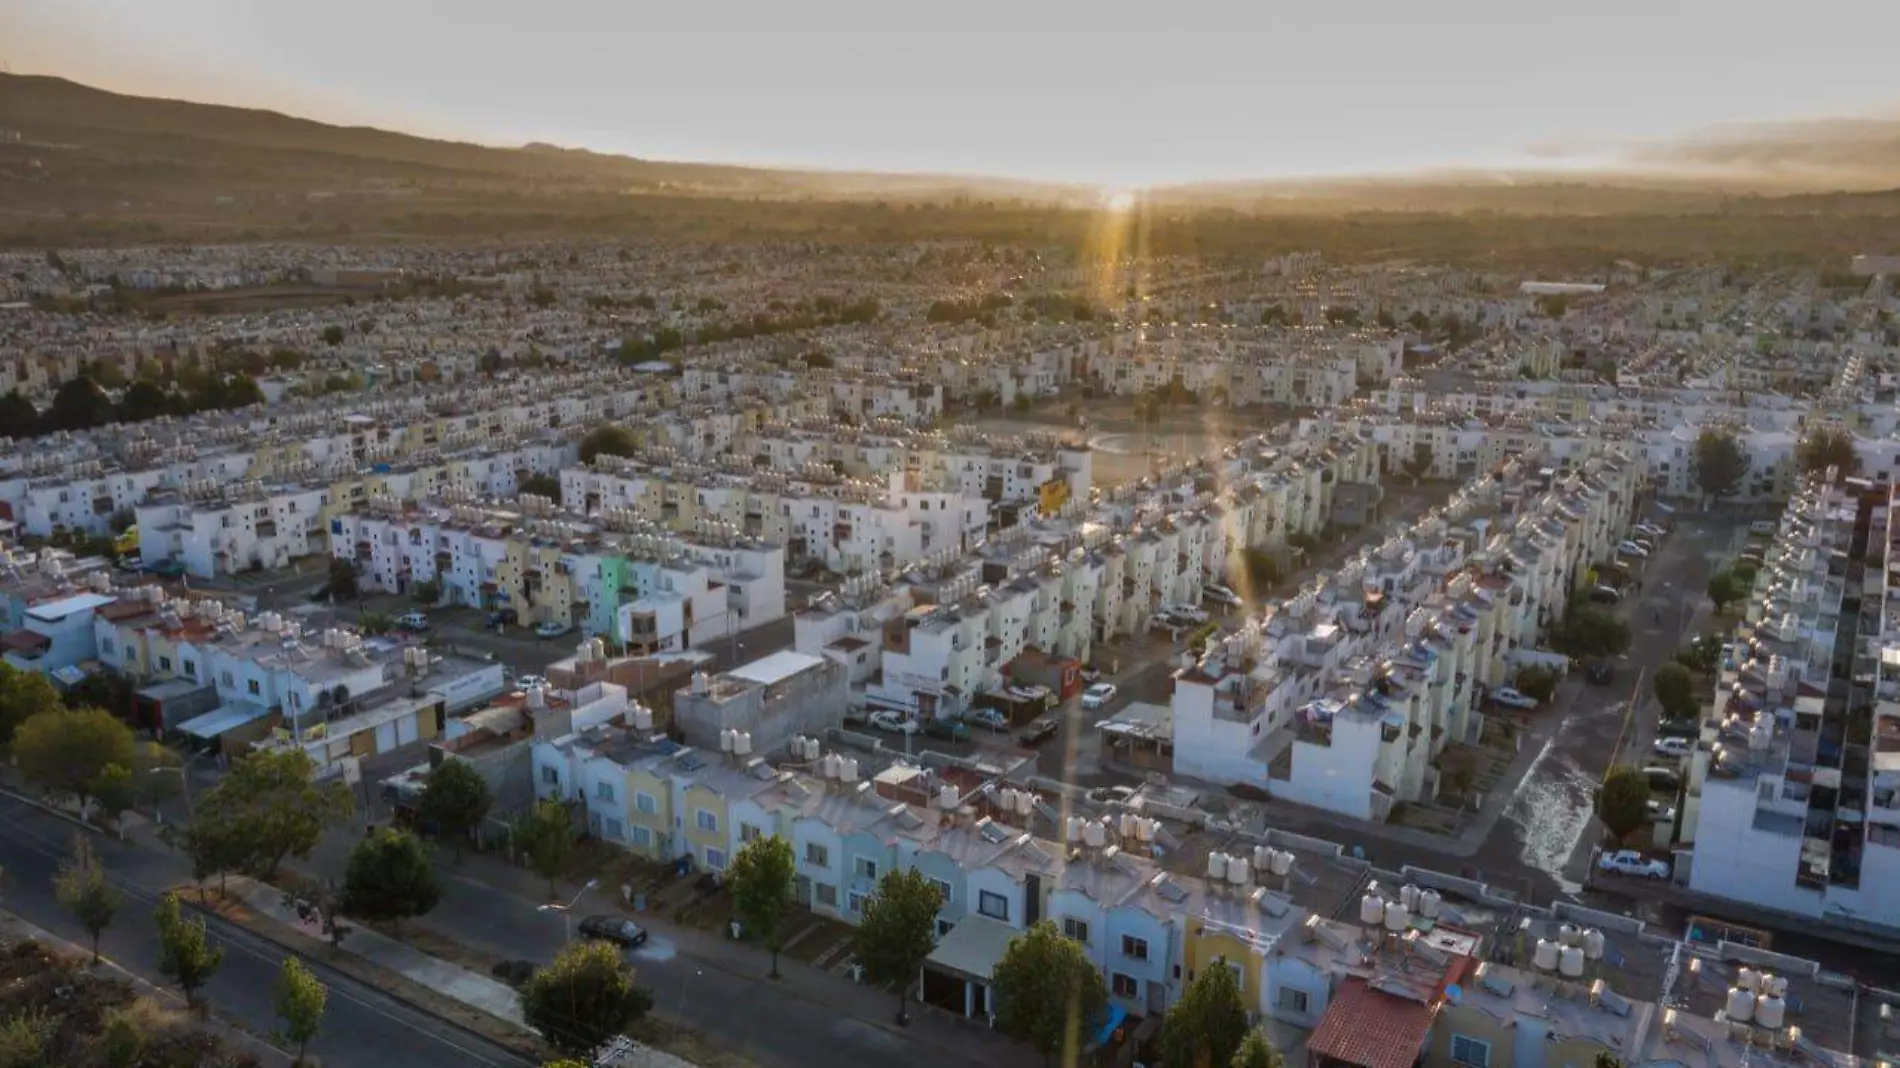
(567, 910)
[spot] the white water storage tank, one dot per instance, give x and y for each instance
(828, 767)
(1126, 825)
(1408, 896)
(1430, 904)
(1775, 985)
(642, 718)
(1025, 802)
(727, 739)
(1216, 866)
(1593, 944)
(742, 743)
(947, 797)
(1397, 916)
(1741, 1005)
(848, 769)
(1371, 909)
(1567, 935)
(1281, 862)
(1769, 1011)
(1094, 835)
(1262, 857)
(1748, 979)
(1545, 956)
(1238, 872)
(1571, 962)
(1072, 830)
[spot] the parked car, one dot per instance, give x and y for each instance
(412, 621)
(1661, 778)
(1601, 673)
(1040, 731)
(1674, 747)
(1762, 526)
(614, 929)
(1111, 795)
(886, 720)
(1659, 811)
(1630, 548)
(550, 629)
(990, 718)
(1098, 695)
(503, 615)
(1630, 862)
(1221, 595)
(1192, 613)
(949, 730)
(1512, 697)
(527, 682)
(1606, 595)
(1650, 529)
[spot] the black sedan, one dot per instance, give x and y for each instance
(614, 929)
(1040, 731)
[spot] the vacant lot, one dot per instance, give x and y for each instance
(1124, 448)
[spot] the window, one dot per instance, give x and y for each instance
(251, 685)
(1074, 928)
(645, 803)
(641, 836)
(229, 679)
(1124, 986)
(943, 889)
(943, 927)
(865, 867)
(715, 859)
(993, 905)
(827, 894)
(164, 663)
(190, 667)
(748, 833)
(855, 900)
(1291, 999)
(613, 829)
(705, 821)
(1137, 948)
(551, 775)
(1471, 1051)
(817, 854)
(604, 791)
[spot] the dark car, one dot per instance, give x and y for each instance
(614, 929)
(1601, 673)
(513, 972)
(948, 730)
(1040, 731)
(501, 616)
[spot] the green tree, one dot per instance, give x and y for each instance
(23, 695)
(426, 592)
(1606, 1059)
(545, 835)
(1591, 632)
(19, 419)
(1824, 447)
(1702, 654)
(272, 808)
(389, 879)
(1256, 1052)
(1420, 463)
(83, 890)
(299, 999)
(543, 486)
(114, 790)
(343, 579)
(611, 440)
(584, 998)
(1720, 463)
(1675, 691)
(78, 404)
(215, 847)
(455, 801)
(897, 931)
(1623, 801)
(761, 878)
(143, 401)
(65, 750)
(185, 953)
(1048, 991)
(1205, 1028)
(1537, 682)
(375, 624)
(1724, 589)
(333, 335)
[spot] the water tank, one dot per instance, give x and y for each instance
(1408, 896)
(828, 767)
(1072, 829)
(1545, 956)
(728, 738)
(948, 797)
(1775, 985)
(1371, 910)
(1239, 872)
(1593, 944)
(1280, 862)
(702, 683)
(642, 718)
(1006, 799)
(1146, 832)
(1748, 979)
(1430, 904)
(1216, 866)
(742, 743)
(1127, 824)
(848, 769)
(1567, 935)
(1770, 1011)
(537, 697)
(1025, 802)
(1397, 917)
(1741, 1005)
(1570, 962)
(1094, 834)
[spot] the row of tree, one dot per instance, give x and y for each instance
(1721, 463)
(81, 403)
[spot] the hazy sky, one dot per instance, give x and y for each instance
(1113, 93)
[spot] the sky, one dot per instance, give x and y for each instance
(1110, 93)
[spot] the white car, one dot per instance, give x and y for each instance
(1630, 548)
(1098, 695)
(550, 629)
(528, 682)
(1660, 812)
(1674, 747)
(1630, 862)
(1513, 697)
(1188, 612)
(886, 720)
(412, 621)
(1650, 529)
(993, 718)
(1221, 595)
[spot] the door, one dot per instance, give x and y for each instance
(405, 730)
(385, 737)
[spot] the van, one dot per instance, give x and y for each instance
(1764, 527)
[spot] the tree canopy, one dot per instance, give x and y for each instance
(1674, 687)
(299, 999)
(1623, 801)
(389, 878)
(761, 878)
(23, 695)
(584, 998)
(1826, 446)
(66, 750)
(611, 440)
(898, 930)
(272, 809)
(1256, 1052)
(455, 801)
(1206, 1027)
(1591, 632)
(185, 953)
(1725, 588)
(83, 889)
(1048, 991)
(1720, 463)
(545, 835)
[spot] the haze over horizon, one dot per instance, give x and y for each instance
(1108, 94)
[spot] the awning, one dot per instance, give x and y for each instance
(1112, 1019)
(972, 948)
(219, 721)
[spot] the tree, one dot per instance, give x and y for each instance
(79, 404)
(215, 848)
(1675, 691)
(1606, 1059)
(23, 695)
(612, 440)
(19, 419)
(455, 801)
(82, 890)
(65, 750)
(1537, 682)
(1256, 1052)
(185, 953)
(426, 592)
(299, 999)
(142, 401)
(584, 998)
(272, 808)
(389, 878)
(1205, 1028)
(114, 790)
(898, 930)
(1623, 801)
(333, 335)
(1824, 447)
(1702, 654)
(1724, 589)
(343, 579)
(545, 834)
(761, 879)
(543, 486)
(1420, 463)
(1720, 463)
(1591, 632)
(1047, 990)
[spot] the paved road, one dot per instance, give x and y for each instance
(363, 1029)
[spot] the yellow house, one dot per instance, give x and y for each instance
(650, 809)
(1505, 1018)
(705, 826)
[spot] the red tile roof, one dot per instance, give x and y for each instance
(1366, 1027)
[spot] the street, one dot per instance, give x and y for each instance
(363, 1027)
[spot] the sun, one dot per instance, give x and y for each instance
(1119, 201)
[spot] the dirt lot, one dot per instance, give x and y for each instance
(1124, 448)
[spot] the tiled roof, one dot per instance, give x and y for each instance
(1366, 1027)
